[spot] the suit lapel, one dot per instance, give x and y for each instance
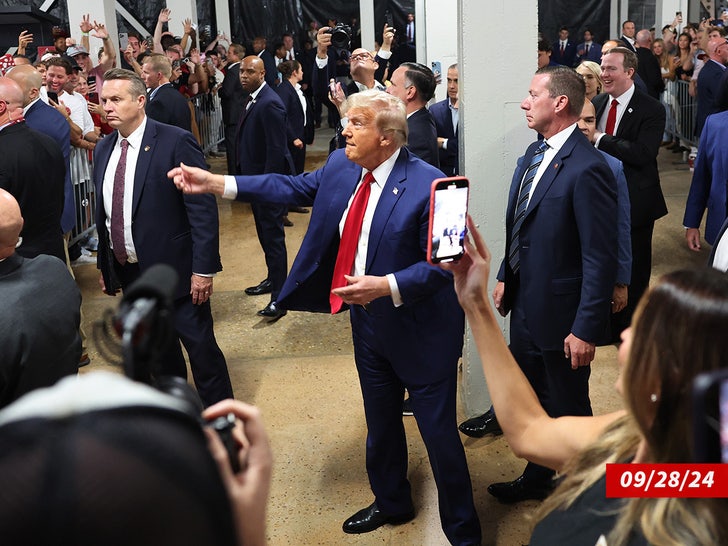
(146, 152)
(393, 189)
(552, 169)
(626, 121)
(101, 161)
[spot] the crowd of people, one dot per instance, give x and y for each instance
(575, 271)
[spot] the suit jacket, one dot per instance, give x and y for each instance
(708, 188)
(568, 246)
(636, 145)
(626, 43)
(708, 91)
(649, 70)
(33, 170)
(41, 344)
(424, 334)
(169, 106)
(624, 240)
(167, 226)
(261, 136)
(47, 120)
(298, 125)
(232, 95)
(449, 159)
(271, 69)
(594, 54)
(569, 55)
(422, 139)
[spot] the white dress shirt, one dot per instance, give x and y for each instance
(555, 143)
(623, 101)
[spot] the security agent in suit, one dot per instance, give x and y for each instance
(165, 103)
(261, 148)
(40, 314)
(299, 112)
(708, 187)
(709, 81)
(232, 100)
(648, 66)
(588, 50)
(640, 122)
(414, 84)
(560, 261)
(406, 323)
(564, 50)
(269, 62)
(32, 169)
(156, 224)
(628, 33)
(447, 117)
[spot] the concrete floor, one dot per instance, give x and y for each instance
(300, 372)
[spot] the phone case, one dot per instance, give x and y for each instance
(436, 233)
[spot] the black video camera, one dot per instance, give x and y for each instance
(145, 323)
(340, 36)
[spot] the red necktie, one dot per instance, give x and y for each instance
(117, 207)
(562, 48)
(612, 118)
(350, 239)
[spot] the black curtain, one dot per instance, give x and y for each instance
(576, 15)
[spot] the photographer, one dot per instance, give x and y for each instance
(675, 335)
(100, 459)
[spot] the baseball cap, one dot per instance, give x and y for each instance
(76, 50)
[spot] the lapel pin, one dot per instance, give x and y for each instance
(556, 165)
(395, 191)
(629, 110)
(147, 148)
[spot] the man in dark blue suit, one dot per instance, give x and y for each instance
(564, 50)
(560, 263)
(143, 220)
(588, 50)
(269, 62)
(406, 322)
(447, 116)
(709, 80)
(261, 148)
(232, 100)
(165, 104)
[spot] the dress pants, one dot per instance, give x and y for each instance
(269, 227)
(561, 390)
(230, 133)
(434, 408)
(194, 328)
(641, 238)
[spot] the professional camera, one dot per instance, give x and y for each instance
(340, 36)
(145, 324)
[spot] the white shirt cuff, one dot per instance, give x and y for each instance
(384, 54)
(444, 143)
(599, 139)
(394, 289)
(231, 187)
(204, 274)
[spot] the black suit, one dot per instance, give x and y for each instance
(232, 97)
(636, 145)
(649, 70)
(709, 81)
(443, 122)
(567, 57)
(33, 170)
(626, 43)
(261, 149)
(422, 139)
(167, 105)
(271, 69)
(299, 125)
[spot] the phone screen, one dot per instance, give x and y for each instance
(448, 212)
(389, 19)
(52, 95)
(123, 41)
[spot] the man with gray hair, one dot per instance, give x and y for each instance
(365, 248)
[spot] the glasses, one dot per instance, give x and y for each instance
(361, 57)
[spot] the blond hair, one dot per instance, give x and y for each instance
(390, 113)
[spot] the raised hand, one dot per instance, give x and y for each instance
(86, 25)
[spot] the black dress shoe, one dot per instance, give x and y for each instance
(519, 490)
(264, 287)
(371, 518)
(479, 426)
(272, 312)
(299, 210)
(287, 222)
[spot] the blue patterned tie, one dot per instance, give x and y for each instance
(522, 204)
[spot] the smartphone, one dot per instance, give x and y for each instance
(710, 417)
(123, 41)
(437, 71)
(388, 19)
(52, 95)
(332, 87)
(91, 82)
(448, 213)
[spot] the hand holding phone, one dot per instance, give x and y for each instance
(448, 215)
(53, 96)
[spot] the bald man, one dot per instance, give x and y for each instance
(41, 344)
(32, 168)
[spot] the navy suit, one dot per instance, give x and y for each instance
(422, 136)
(708, 188)
(709, 81)
(594, 53)
(167, 105)
(261, 148)
(636, 145)
(416, 345)
(567, 57)
(568, 267)
(232, 98)
(449, 158)
(271, 69)
(174, 229)
(49, 121)
(299, 124)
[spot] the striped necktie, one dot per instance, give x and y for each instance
(522, 204)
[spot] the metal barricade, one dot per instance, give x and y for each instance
(84, 195)
(208, 113)
(680, 108)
